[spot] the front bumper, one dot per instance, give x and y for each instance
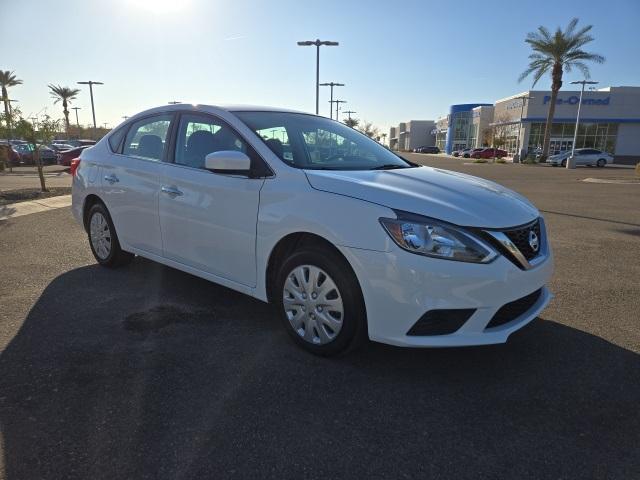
(400, 287)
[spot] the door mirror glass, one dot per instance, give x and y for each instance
(228, 161)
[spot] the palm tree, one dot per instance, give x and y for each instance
(558, 53)
(64, 94)
(7, 79)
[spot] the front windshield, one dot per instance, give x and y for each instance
(317, 143)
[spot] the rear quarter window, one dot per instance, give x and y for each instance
(115, 139)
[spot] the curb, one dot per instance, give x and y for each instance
(19, 209)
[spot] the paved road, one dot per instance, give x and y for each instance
(27, 177)
(147, 372)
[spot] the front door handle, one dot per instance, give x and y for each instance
(172, 191)
(111, 179)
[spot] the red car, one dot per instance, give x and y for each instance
(64, 158)
(489, 153)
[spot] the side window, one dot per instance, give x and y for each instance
(323, 146)
(200, 135)
(115, 139)
(147, 138)
(277, 139)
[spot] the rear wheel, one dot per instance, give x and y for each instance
(601, 162)
(320, 302)
(103, 238)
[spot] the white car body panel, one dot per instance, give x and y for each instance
(132, 201)
(224, 229)
(431, 192)
(211, 226)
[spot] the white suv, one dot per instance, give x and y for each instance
(346, 238)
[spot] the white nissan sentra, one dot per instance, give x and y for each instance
(346, 238)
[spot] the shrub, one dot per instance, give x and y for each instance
(480, 160)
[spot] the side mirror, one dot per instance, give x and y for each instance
(229, 162)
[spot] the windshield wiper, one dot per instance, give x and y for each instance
(388, 166)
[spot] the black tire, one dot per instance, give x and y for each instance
(563, 163)
(116, 257)
(354, 324)
(601, 163)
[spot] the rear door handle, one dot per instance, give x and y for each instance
(172, 191)
(111, 179)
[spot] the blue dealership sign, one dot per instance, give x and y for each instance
(574, 99)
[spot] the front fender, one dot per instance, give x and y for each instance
(341, 220)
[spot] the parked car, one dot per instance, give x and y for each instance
(75, 142)
(60, 147)
(404, 254)
(457, 153)
(47, 155)
(583, 156)
(426, 149)
(467, 152)
(13, 157)
(489, 153)
(64, 158)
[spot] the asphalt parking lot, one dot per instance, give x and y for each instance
(147, 372)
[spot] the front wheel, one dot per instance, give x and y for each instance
(601, 163)
(563, 163)
(103, 238)
(320, 302)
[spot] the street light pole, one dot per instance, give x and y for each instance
(91, 83)
(338, 102)
(317, 43)
(77, 121)
(571, 161)
(331, 84)
(349, 112)
(523, 99)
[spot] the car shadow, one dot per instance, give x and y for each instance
(148, 372)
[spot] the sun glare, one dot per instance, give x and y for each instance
(159, 6)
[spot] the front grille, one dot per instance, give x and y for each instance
(520, 238)
(513, 310)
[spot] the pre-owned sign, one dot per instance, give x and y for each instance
(574, 99)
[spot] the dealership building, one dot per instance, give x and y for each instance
(609, 121)
(412, 134)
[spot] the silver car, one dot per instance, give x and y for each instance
(584, 156)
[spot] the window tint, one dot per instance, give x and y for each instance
(116, 138)
(200, 135)
(147, 138)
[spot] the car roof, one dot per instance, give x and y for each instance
(227, 107)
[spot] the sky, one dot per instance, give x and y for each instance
(399, 60)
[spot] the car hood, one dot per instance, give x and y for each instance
(442, 194)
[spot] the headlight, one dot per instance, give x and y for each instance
(433, 238)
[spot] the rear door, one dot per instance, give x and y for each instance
(208, 220)
(130, 183)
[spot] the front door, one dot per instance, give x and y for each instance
(208, 220)
(130, 184)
